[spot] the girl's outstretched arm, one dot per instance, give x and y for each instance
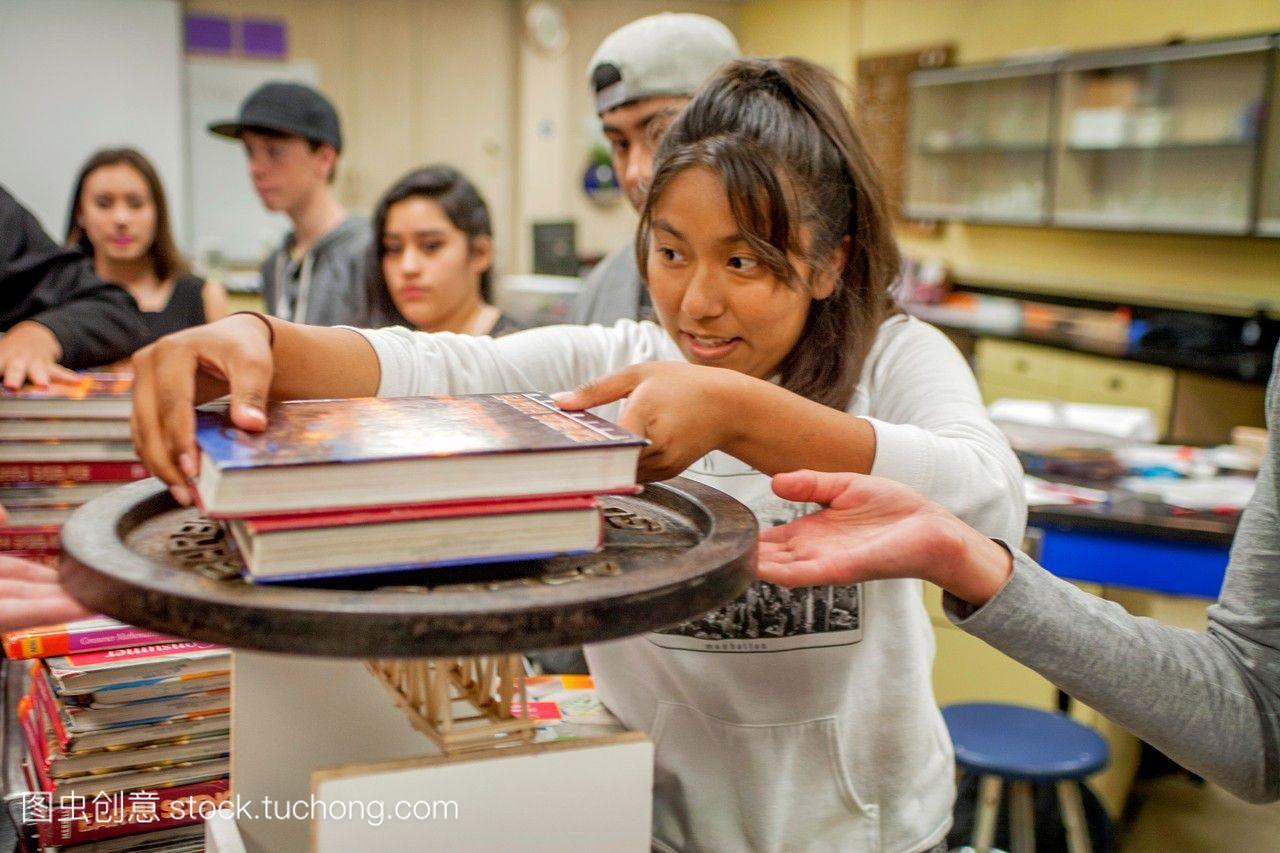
(251, 357)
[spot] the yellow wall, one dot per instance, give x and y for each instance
(1230, 274)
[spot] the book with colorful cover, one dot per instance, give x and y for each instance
(85, 672)
(82, 635)
(567, 707)
(322, 454)
(351, 542)
(91, 395)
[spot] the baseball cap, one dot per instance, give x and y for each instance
(665, 54)
(290, 108)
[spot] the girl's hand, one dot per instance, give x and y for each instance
(29, 352)
(30, 595)
(180, 370)
(683, 409)
(873, 529)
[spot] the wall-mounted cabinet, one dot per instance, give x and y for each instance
(979, 143)
(1175, 138)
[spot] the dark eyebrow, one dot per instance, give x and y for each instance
(664, 225)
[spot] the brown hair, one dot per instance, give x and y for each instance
(163, 253)
(778, 135)
(461, 203)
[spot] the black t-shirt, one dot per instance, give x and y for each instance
(184, 309)
(95, 322)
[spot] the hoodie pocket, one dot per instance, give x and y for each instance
(723, 786)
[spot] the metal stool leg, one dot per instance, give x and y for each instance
(984, 822)
(1022, 818)
(1073, 817)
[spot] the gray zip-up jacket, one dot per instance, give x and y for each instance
(325, 287)
(1210, 701)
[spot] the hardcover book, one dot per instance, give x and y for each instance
(363, 541)
(71, 495)
(93, 395)
(326, 454)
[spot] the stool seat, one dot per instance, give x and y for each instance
(1016, 742)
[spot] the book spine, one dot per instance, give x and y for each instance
(43, 557)
(123, 815)
(52, 473)
(48, 705)
(29, 720)
(42, 538)
(21, 645)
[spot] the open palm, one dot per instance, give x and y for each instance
(30, 595)
(872, 528)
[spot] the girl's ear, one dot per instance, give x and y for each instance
(824, 283)
(481, 253)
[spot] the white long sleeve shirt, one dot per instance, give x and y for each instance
(788, 719)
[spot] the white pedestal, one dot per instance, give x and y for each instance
(292, 716)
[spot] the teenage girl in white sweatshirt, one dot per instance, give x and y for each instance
(789, 719)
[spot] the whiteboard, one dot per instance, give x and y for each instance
(229, 223)
(80, 75)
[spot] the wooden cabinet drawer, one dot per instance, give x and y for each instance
(1116, 383)
(1016, 362)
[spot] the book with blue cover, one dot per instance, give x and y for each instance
(322, 455)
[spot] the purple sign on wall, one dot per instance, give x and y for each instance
(208, 34)
(263, 39)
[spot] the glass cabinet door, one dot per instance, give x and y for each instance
(979, 144)
(1162, 139)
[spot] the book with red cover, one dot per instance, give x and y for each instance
(99, 632)
(40, 538)
(294, 547)
(320, 454)
(46, 557)
(92, 395)
(163, 808)
(55, 473)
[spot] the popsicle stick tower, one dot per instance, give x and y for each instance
(464, 704)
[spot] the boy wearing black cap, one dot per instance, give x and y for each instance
(641, 76)
(292, 138)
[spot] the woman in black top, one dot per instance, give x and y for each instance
(430, 262)
(119, 218)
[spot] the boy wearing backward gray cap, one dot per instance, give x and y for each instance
(640, 77)
(292, 138)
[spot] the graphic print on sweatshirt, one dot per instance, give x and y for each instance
(767, 617)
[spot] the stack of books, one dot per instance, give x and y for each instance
(60, 447)
(126, 748)
(348, 487)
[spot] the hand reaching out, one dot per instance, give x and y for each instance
(872, 529)
(30, 595)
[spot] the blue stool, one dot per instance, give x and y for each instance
(1023, 746)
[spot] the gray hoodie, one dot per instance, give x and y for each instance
(325, 287)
